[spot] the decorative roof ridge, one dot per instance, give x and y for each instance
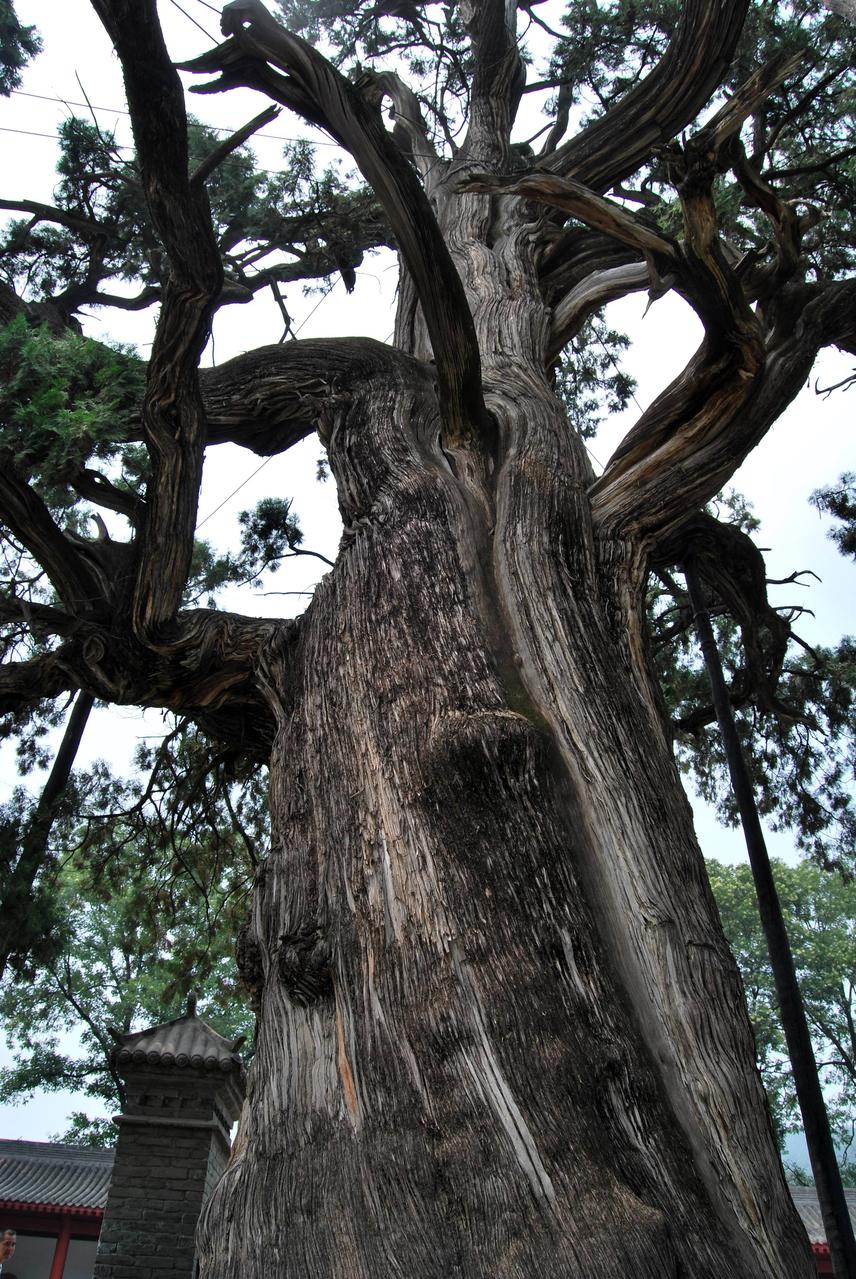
(185, 1041)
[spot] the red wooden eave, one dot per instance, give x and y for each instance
(42, 1218)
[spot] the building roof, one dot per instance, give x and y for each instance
(805, 1198)
(42, 1176)
(184, 1042)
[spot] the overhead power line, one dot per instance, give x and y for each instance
(234, 492)
(196, 24)
(31, 133)
(70, 102)
(261, 467)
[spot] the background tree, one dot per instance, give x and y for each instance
(820, 908)
(18, 43)
(141, 894)
(483, 935)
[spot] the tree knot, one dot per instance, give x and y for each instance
(304, 965)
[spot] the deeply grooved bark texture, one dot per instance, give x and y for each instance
(500, 1033)
(467, 1091)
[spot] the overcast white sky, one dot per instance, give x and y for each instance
(809, 447)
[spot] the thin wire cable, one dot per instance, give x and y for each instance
(70, 102)
(31, 133)
(198, 25)
(323, 298)
(236, 491)
(254, 473)
(596, 461)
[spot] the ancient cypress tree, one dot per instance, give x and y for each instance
(500, 1032)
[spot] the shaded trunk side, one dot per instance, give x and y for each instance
(448, 1078)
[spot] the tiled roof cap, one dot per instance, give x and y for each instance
(43, 1175)
(805, 1199)
(184, 1042)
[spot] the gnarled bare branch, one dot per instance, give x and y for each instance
(209, 670)
(620, 142)
(734, 572)
(498, 81)
(563, 193)
(23, 684)
(595, 291)
(29, 520)
(96, 488)
(270, 398)
(220, 153)
(305, 81)
(409, 130)
(693, 437)
(86, 227)
(172, 412)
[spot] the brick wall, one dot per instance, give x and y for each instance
(172, 1149)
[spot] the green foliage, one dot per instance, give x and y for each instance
(18, 44)
(64, 401)
(839, 501)
(84, 1131)
(296, 223)
(589, 380)
(801, 754)
(820, 909)
(270, 533)
(606, 50)
(143, 887)
(148, 887)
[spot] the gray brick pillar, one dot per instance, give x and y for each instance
(184, 1088)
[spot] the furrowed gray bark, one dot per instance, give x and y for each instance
(500, 1031)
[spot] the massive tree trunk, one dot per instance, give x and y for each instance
(500, 1032)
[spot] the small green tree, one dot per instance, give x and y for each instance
(141, 898)
(820, 908)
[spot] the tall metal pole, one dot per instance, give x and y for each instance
(827, 1176)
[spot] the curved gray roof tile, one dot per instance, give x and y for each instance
(43, 1174)
(805, 1199)
(183, 1042)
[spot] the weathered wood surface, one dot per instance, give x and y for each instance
(500, 1032)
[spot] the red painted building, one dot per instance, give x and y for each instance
(54, 1197)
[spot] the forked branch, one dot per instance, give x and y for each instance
(694, 436)
(31, 523)
(173, 420)
(261, 54)
(498, 80)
